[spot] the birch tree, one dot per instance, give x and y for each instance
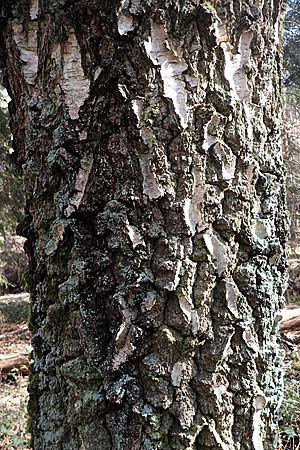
(148, 133)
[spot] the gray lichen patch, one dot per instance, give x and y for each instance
(57, 235)
(261, 229)
(78, 370)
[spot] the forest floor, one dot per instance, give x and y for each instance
(15, 344)
(290, 410)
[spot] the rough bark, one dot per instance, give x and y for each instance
(148, 136)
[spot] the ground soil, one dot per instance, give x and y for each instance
(14, 340)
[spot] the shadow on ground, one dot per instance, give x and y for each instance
(14, 308)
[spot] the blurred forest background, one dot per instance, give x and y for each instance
(291, 140)
(12, 257)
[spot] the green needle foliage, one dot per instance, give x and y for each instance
(292, 44)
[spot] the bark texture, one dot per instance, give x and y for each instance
(148, 136)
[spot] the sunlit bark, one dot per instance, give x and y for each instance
(148, 137)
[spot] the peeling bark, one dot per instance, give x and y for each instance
(148, 135)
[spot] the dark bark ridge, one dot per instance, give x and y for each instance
(148, 138)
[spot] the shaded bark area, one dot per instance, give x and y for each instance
(148, 138)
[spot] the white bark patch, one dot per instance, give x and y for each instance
(34, 9)
(209, 139)
(219, 392)
(217, 437)
(145, 132)
(226, 159)
(121, 331)
(83, 136)
(218, 251)
(123, 352)
(125, 19)
(227, 349)
(186, 307)
(137, 106)
(177, 373)
(259, 404)
(172, 67)
(211, 131)
(185, 296)
(249, 118)
(27, 45)
(125, 23)
(232, 295)
(234, 70)
(195, 322)
(172, 285)
(135, 236)
(192, 81)
(193, 207)
(123, 91)
(80, 185)
(151, 187)
(250, 340)
(75, 84)
(276, 32)
(97, 72)
(123, 344)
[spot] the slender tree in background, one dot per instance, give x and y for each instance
(12, 259)
(291, 130)
(11, 198)
(148, 136)
(292, 44)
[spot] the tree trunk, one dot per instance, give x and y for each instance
(148, 136)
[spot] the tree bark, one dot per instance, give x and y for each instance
(148, 133)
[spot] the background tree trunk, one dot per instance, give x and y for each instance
(148, 136)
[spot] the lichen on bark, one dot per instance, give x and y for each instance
(148, 135)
